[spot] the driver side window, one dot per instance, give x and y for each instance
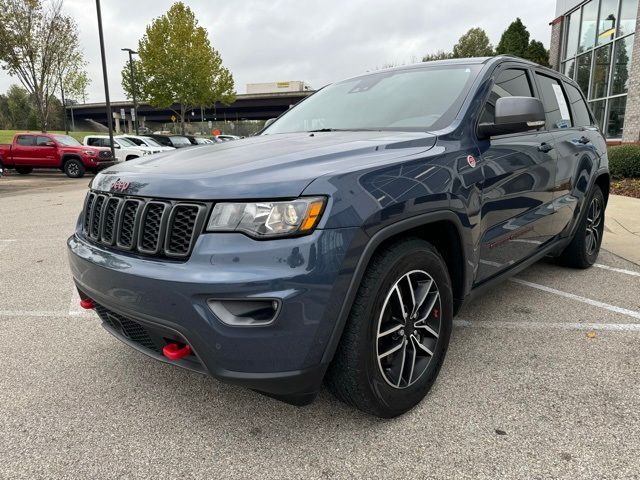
(512, 82)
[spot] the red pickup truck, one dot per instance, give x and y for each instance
(50, 150)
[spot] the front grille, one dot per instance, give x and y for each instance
(104, 154)
(147, 226)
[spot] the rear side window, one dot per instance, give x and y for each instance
(555, 103)
(26, 140)
(94, 142)
(509, 83)
(580, 110)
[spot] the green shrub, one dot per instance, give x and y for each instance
(624, 161)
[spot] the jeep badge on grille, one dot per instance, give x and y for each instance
(120, 186)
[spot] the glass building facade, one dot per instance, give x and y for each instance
(596, 51)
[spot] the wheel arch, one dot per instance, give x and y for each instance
(442, 229)
(603, 180)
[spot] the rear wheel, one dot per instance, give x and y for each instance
(74, 168)
(584, 248)
(397, 333)
(24, 170)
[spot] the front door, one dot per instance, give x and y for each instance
(519, 177)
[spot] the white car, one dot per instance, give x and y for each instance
(144, 141)
(125, 149)
(226, 138)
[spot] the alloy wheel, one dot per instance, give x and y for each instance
(408, 329)
(73, 169)
(594, 226)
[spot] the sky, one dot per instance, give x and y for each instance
(318, 42)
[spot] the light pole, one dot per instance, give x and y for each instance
(133, 87)
(106, 81)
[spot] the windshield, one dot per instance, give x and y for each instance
(413, 99)
(180, 140)
(151, 142)
(125, 142)
(67, 141)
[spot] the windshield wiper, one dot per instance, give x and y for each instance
(342, 130)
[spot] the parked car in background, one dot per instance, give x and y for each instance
(125, 149)
(226, 138)
(175, 141)
(145, 141)
(201, 140)
(45, 150)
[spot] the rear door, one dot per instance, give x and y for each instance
(23, 150)
(519, 177)
(579, 145)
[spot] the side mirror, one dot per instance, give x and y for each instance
(269, 122)
(115, 145)
(514, 115)
(50, 143)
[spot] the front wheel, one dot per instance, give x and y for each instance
(74, 168)
(584, 248)
(397, 333)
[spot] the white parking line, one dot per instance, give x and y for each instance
(595, 303)
(616, 327)
(619, 270)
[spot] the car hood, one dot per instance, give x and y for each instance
(267, 166)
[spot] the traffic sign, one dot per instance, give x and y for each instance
(173, 118)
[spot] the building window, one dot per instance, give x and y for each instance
(600, 77)
(597, 51)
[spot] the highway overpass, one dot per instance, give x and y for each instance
(246, 107)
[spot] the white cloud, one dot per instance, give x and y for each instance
(315, 41)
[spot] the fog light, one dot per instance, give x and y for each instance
(245, 313)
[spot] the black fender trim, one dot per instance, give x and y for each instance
(374, 242)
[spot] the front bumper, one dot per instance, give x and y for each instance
(309, 275)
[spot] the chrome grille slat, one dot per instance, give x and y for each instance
(163, 228)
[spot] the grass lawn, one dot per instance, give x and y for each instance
(6, 136)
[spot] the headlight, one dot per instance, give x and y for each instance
(146, 152)
(89, 153)
(267, 219)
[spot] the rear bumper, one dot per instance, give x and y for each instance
(308, 275)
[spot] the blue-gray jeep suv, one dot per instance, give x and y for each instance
(339, 243)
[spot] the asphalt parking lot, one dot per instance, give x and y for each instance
(542, 380)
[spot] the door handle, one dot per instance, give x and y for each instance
(545, 147)
(584, 140)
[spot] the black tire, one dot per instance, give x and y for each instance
(584, 248)
(357, 375)
(74, 168)
(24, 170)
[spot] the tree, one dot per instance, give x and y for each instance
(439, 55)
(514, 40)
(126, 79)
(179, 65)
(75, 84)
(38, 45)
(19, 108)
(474, 43)
(537, 53)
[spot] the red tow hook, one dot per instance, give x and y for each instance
(173, 351)
(87, 304)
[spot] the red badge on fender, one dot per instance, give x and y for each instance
(471, 161)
